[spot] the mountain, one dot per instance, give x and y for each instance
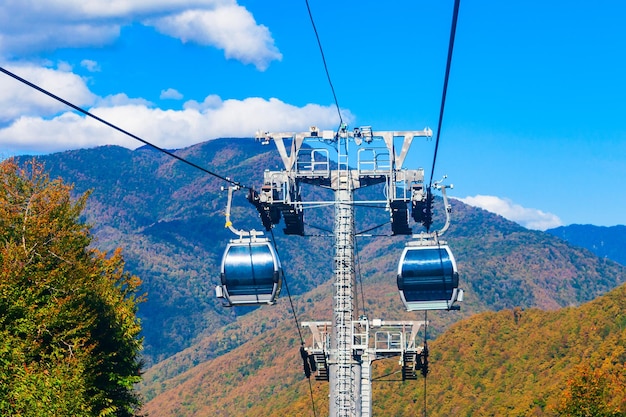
(605, 242)
(508, 363)
(503, 265)
(168, 218)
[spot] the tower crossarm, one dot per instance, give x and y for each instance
(395, 337)
(361, 137)
(381, 338)
(319, 349)
(388, 137)
(320, 331)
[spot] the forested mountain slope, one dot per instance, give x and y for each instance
(168, 218)
(526, 362)
(515, 362)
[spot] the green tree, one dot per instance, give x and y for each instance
(69, 335)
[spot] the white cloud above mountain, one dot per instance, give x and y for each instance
(31, 122)
(19, 100)
(171, 94)
(230, 28)
(196, 122)
(528, 217)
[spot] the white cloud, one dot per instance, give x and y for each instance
(212, 101)
(63, 66)
(528, 217)
(90, 65)
(27, 27)
(171, 94)
(231, 28)
(18, 99)
(164, 128)
(31, 122)
(120, 99)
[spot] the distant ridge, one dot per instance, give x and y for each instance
(605, 242)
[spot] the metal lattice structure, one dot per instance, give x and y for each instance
(370, 341)
(344, 161)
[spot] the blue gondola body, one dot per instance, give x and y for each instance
(251, 273)
(428, 278)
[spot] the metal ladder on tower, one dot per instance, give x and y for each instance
(344, 292)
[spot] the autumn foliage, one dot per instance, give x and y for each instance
(599, 392)
(519, 362)
(69, 340)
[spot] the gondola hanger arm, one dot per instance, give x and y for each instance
(448, 208)
(241, 233)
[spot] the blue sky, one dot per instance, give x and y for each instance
(535, 121)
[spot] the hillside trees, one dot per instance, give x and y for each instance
(599, 392)
(69, 336)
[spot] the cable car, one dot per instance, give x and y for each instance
(428, 278)
(251, 273)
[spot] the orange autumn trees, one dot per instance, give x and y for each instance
(69, 336)
(599, 392)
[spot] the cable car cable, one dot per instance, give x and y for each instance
(370, 235)
(293, 310)
(119, 129)
(307, 369)
(374, 228)
(319, 228)
(380, 378)
(319, 43)
(357, 204)
(312, 399)
(455, 15)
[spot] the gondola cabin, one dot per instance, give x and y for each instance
(428, 278)
(251, 273)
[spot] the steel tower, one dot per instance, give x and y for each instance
(344, 161)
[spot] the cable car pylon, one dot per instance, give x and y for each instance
(344, 348)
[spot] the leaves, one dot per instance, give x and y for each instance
(599, 392)
(68, 327)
